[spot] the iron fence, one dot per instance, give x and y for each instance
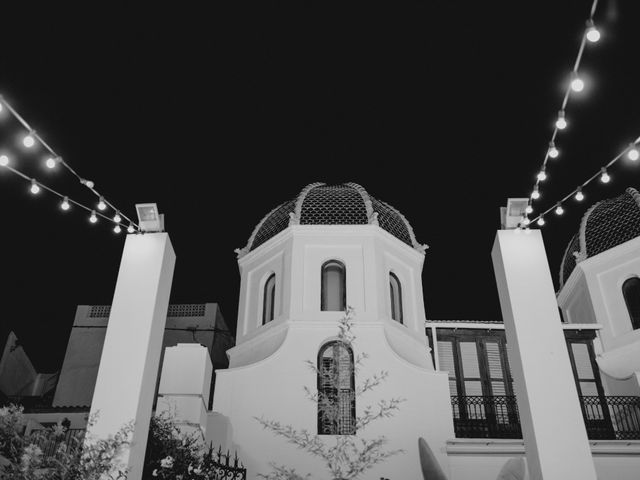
(605, 417)
(218, 466)
(49, 443)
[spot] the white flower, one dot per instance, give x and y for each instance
(154, 473)
(189, 468)
(167, 462)
(197, 471)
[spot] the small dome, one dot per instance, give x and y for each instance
(605, 225)
(321, 204)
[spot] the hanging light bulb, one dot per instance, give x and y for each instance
(35, 188)
(117, 229)
(633, 153)
(561, 123)
(542, 175)
(540, 221)
(93, 218)
(526, 221)
(577, 85)
(593, 35)
(579, 195)
(559, 209)
(604, 178)
(130, 229)
(101, 204)
(51, 162)
(528, 209)
(65, 204)
(535, 194)
(4, 160)
(117, 218)
(553, 151)
(28, 140)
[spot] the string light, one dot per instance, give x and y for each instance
(559, 210)
(632, 153)
(542, 175)
(117, 229)
(592, 34)
(577, 85)
(553, 151)
(4, 160)
(65, 204)
(541, 221)
(28, 140)
(101, 204)
(93, 218)
(604, 177)
(130, 229)
(51, 162)
(579, 195)
(561, 122)
(35, 189)
(117, 218)
(528, 209)
(535, 194)
(526, 221)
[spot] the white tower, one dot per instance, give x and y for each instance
(600, 283)
(305, 262)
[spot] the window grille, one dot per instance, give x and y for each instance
(180, 310)
(336, 390)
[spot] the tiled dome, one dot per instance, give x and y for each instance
(321, 204)
(605, 225)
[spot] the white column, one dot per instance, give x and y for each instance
(555, 436)
(131, 354)
(185, 386)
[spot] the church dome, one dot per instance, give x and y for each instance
(605, 225)
(322, 204)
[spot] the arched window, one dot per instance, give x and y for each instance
(631, 293)
(269, 299)
(333, 292)
(336, 390)
(396, 297)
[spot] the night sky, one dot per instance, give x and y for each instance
(441, 108)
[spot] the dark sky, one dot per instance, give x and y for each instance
(441, 108)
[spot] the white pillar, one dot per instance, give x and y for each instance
(554, 433)
(185, 386)
(131, 354)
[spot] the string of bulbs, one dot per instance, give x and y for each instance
(29, 141)
(591, 35)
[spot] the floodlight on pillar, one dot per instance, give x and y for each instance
(149, 219)
(512, 214)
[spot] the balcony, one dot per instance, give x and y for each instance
(606, 418)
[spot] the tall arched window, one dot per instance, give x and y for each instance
(269, 299)
(336, 390)
(631, 293)
(333, 291)
(396, 297)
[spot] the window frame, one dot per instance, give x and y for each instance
(635, 319)
(265, 294)
(321, 388)
(343, 283)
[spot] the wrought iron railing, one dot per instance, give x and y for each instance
(218, 466)
(606, 418)
(49, 443)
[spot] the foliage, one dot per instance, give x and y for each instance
(22, 457)
(346, 457)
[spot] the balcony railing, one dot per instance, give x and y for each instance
(606, 418)
(50, 443)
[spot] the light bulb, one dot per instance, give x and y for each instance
(28, 140)
(34, 187)
(559, 210)
(633, 153)
(577, 85)
(101, 204)
(51, 162)
(541, 221)
(117, 229)
(553, 151)
(93, 218)
(65, 204)
(130, 229)
(4, 160)
(561, 123)
(526, 221)
(535, 194)
(579, 195)
(528, 209)
(593, 35)
(542, 175)
(117, 218)
(1, 106)
(604, 178)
